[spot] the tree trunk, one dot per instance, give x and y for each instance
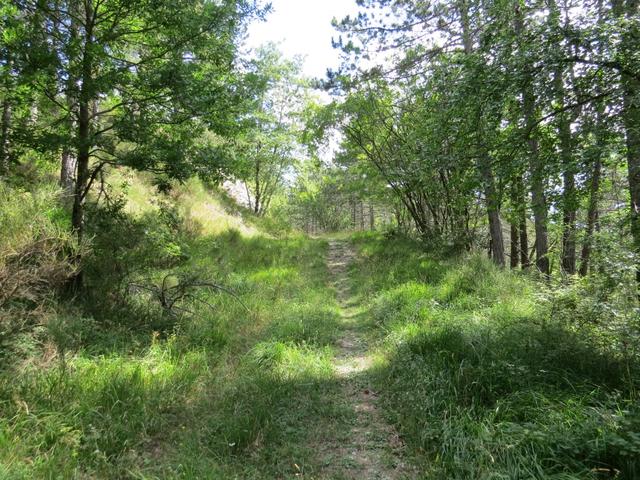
(596, 173)
(493, 213)
(398, 216)
(519, 238)
(353, 214)
(372, 217)
(514, 239)
(524, 241)
(67, 171)
(569, 225)
(4, 135)
(632, 130)
(82, 167)
(563, 121)
(484, 163)
(497, 242)
(536, 167)
(592, 218)
(628, 10)
(84, 140)
(257, 201)
(569, 200)
(540, 214)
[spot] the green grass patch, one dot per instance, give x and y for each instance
(485, 379)
(116, 387)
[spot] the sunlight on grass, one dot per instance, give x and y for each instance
(274, 276)
(481, 380)
(204, 209)
(135, 186)
(207, 210)
(289, 362)
(190, 389)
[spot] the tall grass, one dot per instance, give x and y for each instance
(36, 248)
(110, 386)
(484, 379)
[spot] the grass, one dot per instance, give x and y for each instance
(482, 373)
(483, 381)
(130, 394)
(210, 398)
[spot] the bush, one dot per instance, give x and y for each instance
(37, 254)
(146, 246)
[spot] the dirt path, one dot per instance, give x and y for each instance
(370, 449)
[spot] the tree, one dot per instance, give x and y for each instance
(270, 142)
(131, 83)
(469, 100)
(627, 12)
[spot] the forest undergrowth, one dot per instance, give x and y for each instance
(115, 385)
(489, 374)
(207, 347)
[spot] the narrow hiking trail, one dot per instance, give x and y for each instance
(369, 448)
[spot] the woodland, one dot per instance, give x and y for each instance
(424, 265)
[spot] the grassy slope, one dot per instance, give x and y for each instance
(483, 381)
(473, 369)
(209, 398)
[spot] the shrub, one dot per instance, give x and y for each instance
(37, 255)
(143, 245)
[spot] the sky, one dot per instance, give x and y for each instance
(303, 27)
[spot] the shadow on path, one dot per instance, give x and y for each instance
(370, 449)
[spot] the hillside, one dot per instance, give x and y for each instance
(363, 357)
(328, 240)
(112, 393)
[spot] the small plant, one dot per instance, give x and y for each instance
(175, 291)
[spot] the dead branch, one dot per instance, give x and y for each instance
(169, 295)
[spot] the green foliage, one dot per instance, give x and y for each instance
(501, 112)
(319, 199)
(160, 332)
(109, 388)
(270, 143)
(153, 243)
(489, 378)
(35, 263)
